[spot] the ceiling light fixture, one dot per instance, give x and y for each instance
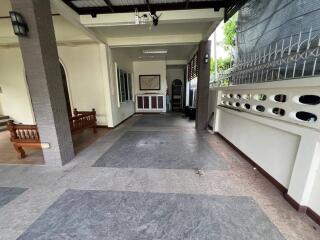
(155, 51)
(143, 19)
(140, 57)
(155, 18)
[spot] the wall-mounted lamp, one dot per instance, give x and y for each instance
(20, 27)
(206, 58)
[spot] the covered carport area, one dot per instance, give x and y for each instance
(159, 39)
(153, 176)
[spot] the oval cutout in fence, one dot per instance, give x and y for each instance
(260, 108)
(306, 116)
(230, 95)
(238, 96)
(309, 99)
(278, 111)
(237, 104)
(260, 97)
(280, 98)
(246, 96)
(247, 106)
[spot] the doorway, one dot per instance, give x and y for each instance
(177, 88)
(65, 89)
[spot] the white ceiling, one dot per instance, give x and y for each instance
(5, 7)
(178, 31)
(175, 52)
(99, 3)
(174, 27)
(64, 31)
(137, 2)
(149, 30)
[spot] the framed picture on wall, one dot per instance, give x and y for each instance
(149, 82)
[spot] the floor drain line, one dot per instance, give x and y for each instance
(199, 172)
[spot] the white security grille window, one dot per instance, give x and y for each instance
(124, 85)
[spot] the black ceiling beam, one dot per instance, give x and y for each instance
(187, 4)
(148, 5)
(52, 14)
(109, 5)
(216, 5)
(150, 8)
(233, 7)
(68, 2)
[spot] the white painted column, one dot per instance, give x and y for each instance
(215, 55)
(215, 124)
(106, 75)
(304, 170)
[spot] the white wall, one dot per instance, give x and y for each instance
(213, 96)
(1, 111)
(272, 149)
(84, 76)
(315, 194)
(287, 149)
(119, 111)
(14, 98)
(150, 68)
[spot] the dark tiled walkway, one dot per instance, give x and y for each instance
(164, 120)
(7, 194)
(145, 216)
(127, 215)
(162, 150)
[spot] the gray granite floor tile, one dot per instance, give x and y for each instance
(164, 120)
(162, 150)
(7, 194)
(130, 215)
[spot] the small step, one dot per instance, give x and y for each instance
(3, 123)
(3, 128)
(4, 117)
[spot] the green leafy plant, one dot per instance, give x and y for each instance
(229, 43)
(230, 32)
(222, 64)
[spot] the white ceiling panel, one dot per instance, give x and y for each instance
(147, 30)
(175, 52)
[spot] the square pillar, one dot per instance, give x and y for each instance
(304, 172)
(203, 85)
(41, 62)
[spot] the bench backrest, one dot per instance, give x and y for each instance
(29, 133)
(23, 133)
(82, 120)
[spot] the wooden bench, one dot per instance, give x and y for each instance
(28, 135)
